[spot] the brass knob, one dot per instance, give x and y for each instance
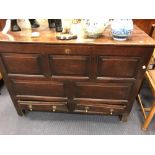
(53, 108)
(30, 107)
(67, 51)
(144, 67)
(111, 111)
(86, 108)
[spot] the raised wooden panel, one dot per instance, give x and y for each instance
(62, 65)
(115, 66)
(22, 63)
(116, 91)
(38, 88)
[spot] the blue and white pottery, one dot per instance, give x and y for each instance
(121, 29)
(94, 28)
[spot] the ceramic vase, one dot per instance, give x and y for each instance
(121, 29)
(94, 28)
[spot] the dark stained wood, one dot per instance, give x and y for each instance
(10, 88)
(41, 98)
(69, 65)
(110, 66)
(70, 91)
(88, 76)
(38, 88)
(90, 101)
(118, 91)
(45, 65)
(22, 63)
(100, 109)
(43, 106)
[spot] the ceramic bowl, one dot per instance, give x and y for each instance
(94, 28)
(121, 29)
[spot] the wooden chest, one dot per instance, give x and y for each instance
(86, 76)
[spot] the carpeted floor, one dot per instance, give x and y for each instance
(70, 124)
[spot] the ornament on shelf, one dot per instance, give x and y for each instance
(15, 27)
(121, 29)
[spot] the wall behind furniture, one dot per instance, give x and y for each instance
(144, 24)
(2, 24)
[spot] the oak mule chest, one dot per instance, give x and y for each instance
(86, 76)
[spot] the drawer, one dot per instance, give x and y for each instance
(91, 101)
(22, 63)
(43, 106)
(114, 91)
(41, 98)
(110, 109)
(38, 88)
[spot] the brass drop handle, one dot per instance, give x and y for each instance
(54, 108)
(143, 67)
(67, 50)
(86, 108)
(111, 111)
(30, 107)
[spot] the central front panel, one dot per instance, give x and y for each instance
(62, 65)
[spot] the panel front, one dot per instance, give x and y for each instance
(62, 65)
(22, 63)
(38, 88)
(115, 91)
(115, 66)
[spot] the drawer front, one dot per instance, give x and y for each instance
(43, 106)
(91, 101)
(118, 66)
(116, 91)
(38, 88)
(104, 108)
(22, 63)
(62, 65)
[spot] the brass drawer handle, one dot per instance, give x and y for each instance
(30, 107)
(67, 50)
(86, 108)
(54, 108)
(111, 111)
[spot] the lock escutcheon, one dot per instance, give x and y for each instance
(67, 51)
